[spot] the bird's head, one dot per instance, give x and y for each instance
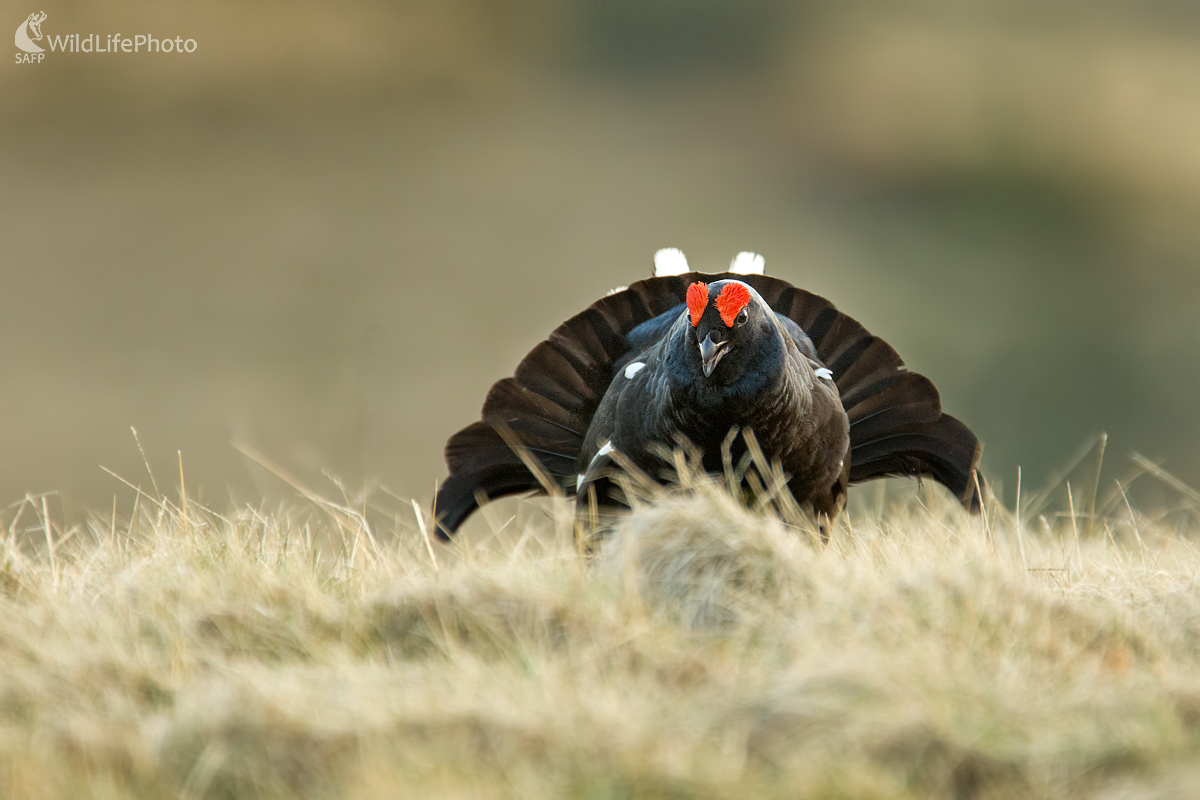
(732, 329)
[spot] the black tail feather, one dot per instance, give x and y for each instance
(515, 406)
(481, 461)
(458, 496)
(907, 399)
(877, 364)
(945, 450)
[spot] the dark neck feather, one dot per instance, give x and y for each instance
(764, 384)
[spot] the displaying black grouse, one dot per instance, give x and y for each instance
(686, 357)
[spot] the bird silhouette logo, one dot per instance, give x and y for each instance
(30, 31)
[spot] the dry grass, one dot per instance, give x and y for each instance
(705, 652)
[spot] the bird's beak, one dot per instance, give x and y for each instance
(710, 354)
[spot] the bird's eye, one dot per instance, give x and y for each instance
(742, 316)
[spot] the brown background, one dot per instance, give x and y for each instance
(327, 231)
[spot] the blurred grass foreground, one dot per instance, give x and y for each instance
(706, 651)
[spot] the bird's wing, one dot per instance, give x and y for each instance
(645, 336)
(801, 339)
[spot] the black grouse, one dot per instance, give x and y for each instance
(682, 358)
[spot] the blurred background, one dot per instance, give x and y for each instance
(326, 232)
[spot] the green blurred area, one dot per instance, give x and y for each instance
(327, 231)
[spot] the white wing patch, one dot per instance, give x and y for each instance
(608, 448)
(823, 372)
(747, 263)
(633, 368)
(670, 261)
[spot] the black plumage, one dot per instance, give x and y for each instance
(831, 403)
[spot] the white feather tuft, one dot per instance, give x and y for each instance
(670, 261)
(615, 290)
(747, 263)
(824, 372)
(634, 368)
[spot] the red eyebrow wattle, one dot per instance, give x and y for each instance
(733, 298)
(697, 301)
